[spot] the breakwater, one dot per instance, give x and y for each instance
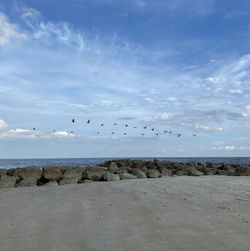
(113, 170)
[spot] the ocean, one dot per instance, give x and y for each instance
(15, 163)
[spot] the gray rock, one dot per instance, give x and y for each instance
(28, 176)
(113, 167)
(138, 173)
(7, 181)
(166, 172)
(66, 181)
(94, 173)
(153, 173)
(52, 173)
(126, 176)
(195, 172)
(51, 183)
(211, 171)
(111, 177)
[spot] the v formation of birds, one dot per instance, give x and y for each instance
(134, 127)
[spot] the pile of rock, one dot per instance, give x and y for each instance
(113, 170)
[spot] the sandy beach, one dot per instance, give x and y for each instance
(172, 213)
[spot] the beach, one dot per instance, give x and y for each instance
(170, 213)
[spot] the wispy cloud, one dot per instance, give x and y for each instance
(9, 32)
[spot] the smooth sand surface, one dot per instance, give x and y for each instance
(175, 213)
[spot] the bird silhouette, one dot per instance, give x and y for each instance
(98, 132)
(170, 132)
(72, 132)
(102, 124)
(34, 129)
(73, 121)
(142, 134)
(178, 135)
(165, 131)
(126, 125)
(157, 134)
(115, 124)
(152, 129)
(135, 127)
(112, 133)
(194, 135)
(124, 133)
(144, 127)
(88, 122)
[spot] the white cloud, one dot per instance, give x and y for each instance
(231, 148)
(208, 128)
(9, 32)
(3, 124)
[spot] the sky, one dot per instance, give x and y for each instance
(176, 65)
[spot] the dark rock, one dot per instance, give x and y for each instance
(27, 176)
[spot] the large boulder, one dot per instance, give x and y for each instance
(210, 171)
(192, 171)
(52, 173)
(28, 176)
(71, 176)
(7, 181)
(166, 172)
(113, 167)
(153, 173)
(94, 173)
(138, 173)
(126, 176)
(108, 176)
(243, 171)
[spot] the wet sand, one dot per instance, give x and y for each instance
(174, 213)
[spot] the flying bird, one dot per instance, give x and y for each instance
(124, 133)
(157, 134)
(178, 135)
(126, 125)
(34, 129)
(115, 124)
(88, 122)
(73, 121)
(142, 134)
(112, 133)
(165, 131)
(102, 124)
(170, 132)
(135, 127)
(98, 132)
(144, 127)
(152, 129)
(194, 135)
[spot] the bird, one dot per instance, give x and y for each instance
(102, 124)
(144, 127)
(135, 127)
(194, 135)
(126, 125)
(88, 122)
(124, 133)
(178, 135)
(142, 134)
(157, 134)
(54, 130)
(115, 124)
(170, 132)
(152, 129)
(165, 131)
(72, 132)
(112, 133)
(98, 132)
(73, 121)
(34, 129)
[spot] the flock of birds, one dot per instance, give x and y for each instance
(134, 127)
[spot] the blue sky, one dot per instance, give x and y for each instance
(176, 65)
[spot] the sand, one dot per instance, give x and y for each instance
(175, 213)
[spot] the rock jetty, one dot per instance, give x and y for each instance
(113, 170)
